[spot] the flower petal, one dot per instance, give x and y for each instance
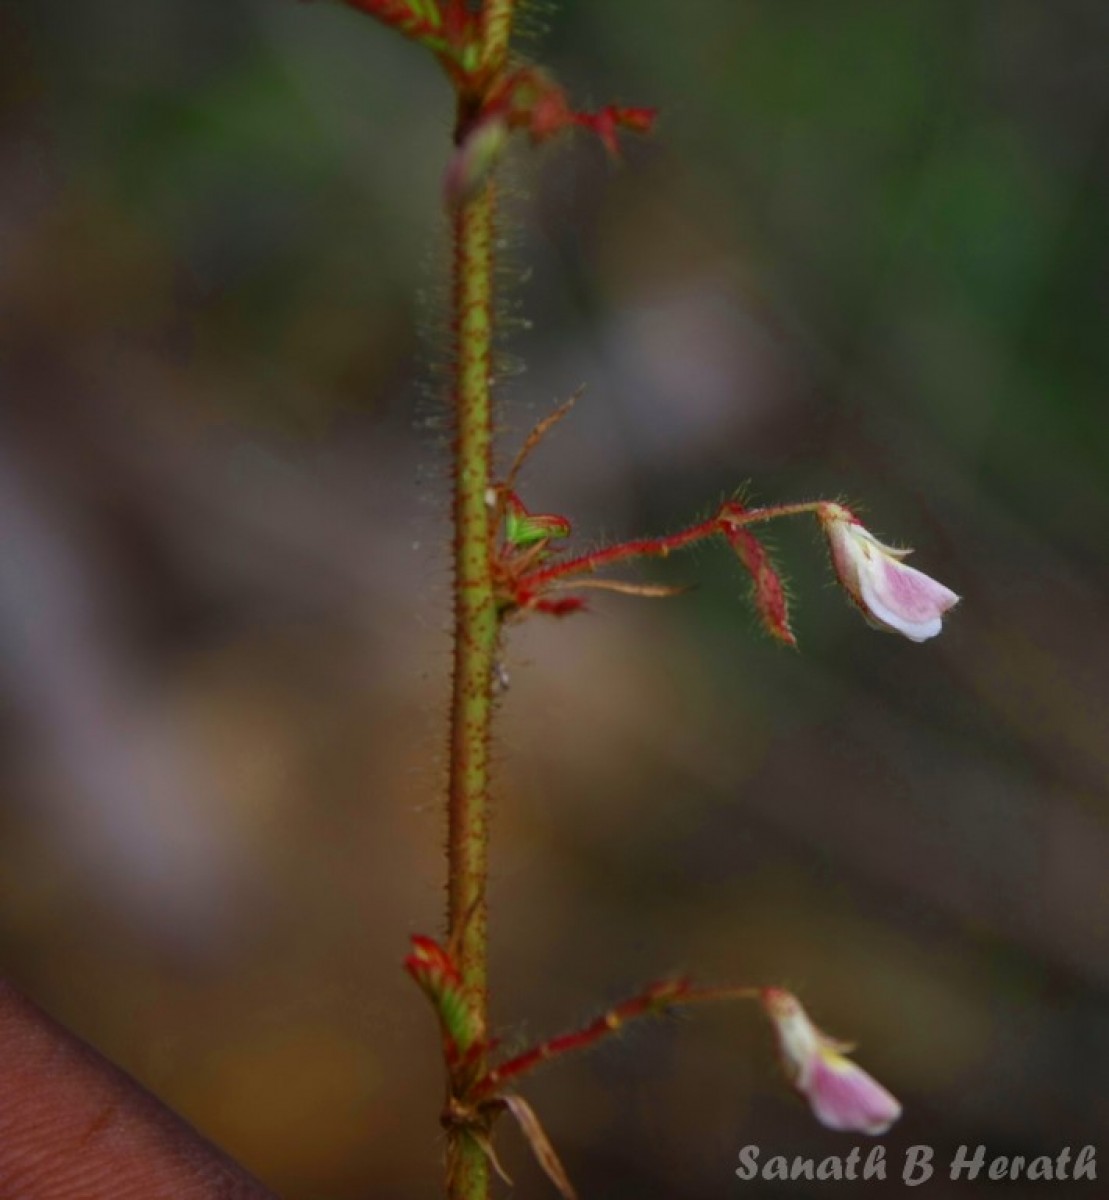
(843, 1096)
(798, 1037)
(891, 595)
(901, 598)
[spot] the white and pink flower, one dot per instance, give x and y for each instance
(841, 1094)
(889, 594)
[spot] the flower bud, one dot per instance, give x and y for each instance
(522, 528)
(436, 972)
(474, 160)
(889, 594)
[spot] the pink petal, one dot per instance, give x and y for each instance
(891, 595)
(843, 1096)
(902, 598)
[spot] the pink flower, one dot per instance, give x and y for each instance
(841, 1094)
(890, 595)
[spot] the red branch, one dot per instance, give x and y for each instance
(660, 547)
(730, 518)
(652, 1001)
(656, 999)
(398, 15)
(531, 100)
(447, 36)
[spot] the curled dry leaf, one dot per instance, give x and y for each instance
(540, 1144)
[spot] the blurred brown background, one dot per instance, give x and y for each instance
(864, 257)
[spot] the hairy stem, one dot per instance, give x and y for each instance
(476, 622)
(496, 30)
(730, 516)
(475, 635)
(657, 999)
(659, 547)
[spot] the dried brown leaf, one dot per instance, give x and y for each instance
(540, 1144)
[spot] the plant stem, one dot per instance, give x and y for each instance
(730, 516)
(475, 637)
(496, 30)
(660, 547)
(476, 622)
(657, 999)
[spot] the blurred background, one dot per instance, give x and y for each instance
(865, 258)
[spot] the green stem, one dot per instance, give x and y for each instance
(476, 623)
(475, 637)
(496, 31)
